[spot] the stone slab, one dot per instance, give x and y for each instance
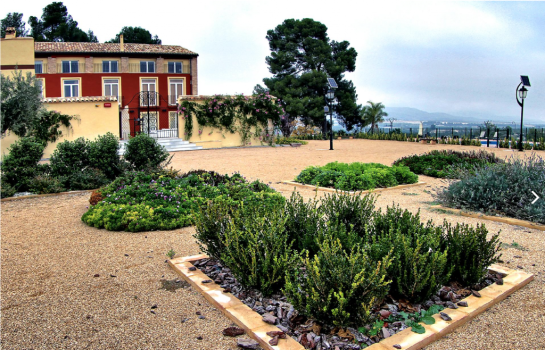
(505, 220)
(327, 189)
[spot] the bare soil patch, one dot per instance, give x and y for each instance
(50, 298)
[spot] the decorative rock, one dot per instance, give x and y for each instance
(268, 318)
(274, 341)
(360, 338)
(202, 317)
(192, 268)
(385, 332)
(385, 313)
(499, 281)
(260, 310)
(96, 275)
(475, 293)
(247, 343)
(462, 303)
(397, 346)
(445, 317)
(206, 281)
(154, 306)
(233, 331)
(428, 304)
(451, 305)
(278, 334)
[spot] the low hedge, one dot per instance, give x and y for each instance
(340, 256)
(141, 201)
(356, 176)
(447, 163)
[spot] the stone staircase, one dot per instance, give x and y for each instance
(171, 144)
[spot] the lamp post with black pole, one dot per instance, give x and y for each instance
(330, 96)
(521, 93)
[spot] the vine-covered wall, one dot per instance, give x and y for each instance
(224, 121)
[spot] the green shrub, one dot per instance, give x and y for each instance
(356, 176)
(326, 178)
(340, 285)
(445, 163)
(70, 157)
(257, 249)
(504, 189)
(419, 266)
(404, 175)
(6, 189)
(86, 179)
(144, 153)
(353, 212)
(308, 174)
(289, 140)
(352, 182)
(470, 253)
(103, 155)
(305, 222)
(20, 165)
(210, 226)
(44, 184)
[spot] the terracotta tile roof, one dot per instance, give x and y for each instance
(109, 48)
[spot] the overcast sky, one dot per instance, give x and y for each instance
(461, 58)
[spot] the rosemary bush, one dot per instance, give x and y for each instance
(470, 252)
(257, 249)
(339, 285)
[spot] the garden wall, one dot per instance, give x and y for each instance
(93, 118)
(212, 137)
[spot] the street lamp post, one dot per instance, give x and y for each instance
(521, 93)
(330, 96)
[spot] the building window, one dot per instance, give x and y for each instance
(109, 66)
(147, 66)
(175, 67)
(38, 67)
(71, 88)
(149, 93)
(70, 66)
(172, 120)
(40, 84)
(176, 89)
(111, 87)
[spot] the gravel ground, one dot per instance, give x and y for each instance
(50, 298)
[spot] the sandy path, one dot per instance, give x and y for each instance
(50, 298)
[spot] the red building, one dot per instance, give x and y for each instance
(147, 79)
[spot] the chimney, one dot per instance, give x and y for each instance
(10, 33)
(121, 43)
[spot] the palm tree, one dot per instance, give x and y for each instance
(373, 114)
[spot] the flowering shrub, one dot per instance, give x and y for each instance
(356, 176)
(233, 114)
(143, 202)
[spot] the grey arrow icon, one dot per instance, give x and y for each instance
(537, 197)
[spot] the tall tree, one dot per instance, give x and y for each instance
(57, 25)
(136, 35)
(14, 19)
(302, 57)
(372, 115)
(20, 102)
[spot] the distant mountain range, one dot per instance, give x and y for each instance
(413, 114)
